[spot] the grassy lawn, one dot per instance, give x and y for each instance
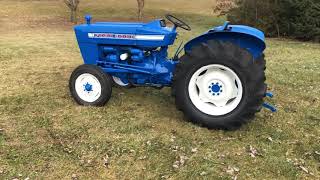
(140, 134)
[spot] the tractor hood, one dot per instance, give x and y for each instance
(151, 35)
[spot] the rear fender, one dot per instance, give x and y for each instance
(246, 37)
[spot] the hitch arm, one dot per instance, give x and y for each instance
(269, 106)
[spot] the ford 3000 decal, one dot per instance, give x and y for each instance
(126, 36)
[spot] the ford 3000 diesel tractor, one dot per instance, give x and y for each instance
(218, 82)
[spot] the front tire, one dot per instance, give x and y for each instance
(219, 85)
(90, 86)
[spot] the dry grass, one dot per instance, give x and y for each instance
(140, 134)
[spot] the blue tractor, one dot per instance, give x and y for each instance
(219, 81)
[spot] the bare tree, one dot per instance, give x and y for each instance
(140, 8)
(73, 6)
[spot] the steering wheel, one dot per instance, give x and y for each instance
(178, 23)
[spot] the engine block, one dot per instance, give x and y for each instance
(137, 66)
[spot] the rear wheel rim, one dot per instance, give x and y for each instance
(215, 90)
(88, 87)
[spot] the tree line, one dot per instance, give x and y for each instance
(299, 19)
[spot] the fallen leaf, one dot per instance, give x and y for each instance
(173, 137)
(203, 173)
(183, 160)
(232, 170)
(180, 162)
(74, 176)
(106, 161)
(194, 150)
(175, 166)
(142, 158)
(132, 151)
(304, 169)
(253, 152)
(175, 148)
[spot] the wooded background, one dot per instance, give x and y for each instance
(299, 19)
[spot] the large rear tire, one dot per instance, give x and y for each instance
(219, 85)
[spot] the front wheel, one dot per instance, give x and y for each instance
(219, 85)
(90, 86)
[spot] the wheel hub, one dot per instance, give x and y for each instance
(215, 88)
(87, 87)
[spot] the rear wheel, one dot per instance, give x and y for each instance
(219, 85)
(90, 86)
(215, 89)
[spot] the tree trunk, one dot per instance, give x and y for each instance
(278, 29)
(73, 6)
(73, 16)
(140, 8)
